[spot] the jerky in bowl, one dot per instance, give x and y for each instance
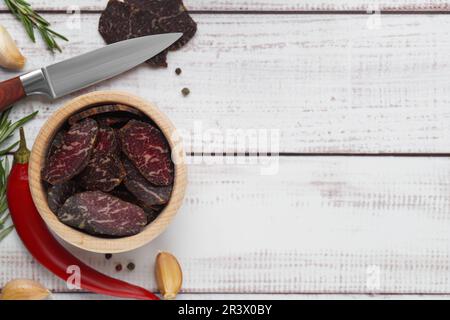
(104, 173)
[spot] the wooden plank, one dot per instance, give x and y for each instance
(267, 5)
(320, 225)
(323, 84)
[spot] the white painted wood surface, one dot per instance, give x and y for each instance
(321, 226)
(268, 5)
(327, 83)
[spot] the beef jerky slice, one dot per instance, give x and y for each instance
(121, 21)
(148, 150)
(146, 193)
(112, 120)
(137, 18)
(106, 141)
(58, 194)
(114, 23)
(151, 214)
(74, 153)
(102, 109)
(99, 213)
(56, 143)
(123, 193)
(170, 16)
(104, 170)
(142, 26)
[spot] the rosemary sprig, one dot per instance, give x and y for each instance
(7, 129)
(31, 20)
(4, 233)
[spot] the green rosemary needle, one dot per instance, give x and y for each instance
(31, 20)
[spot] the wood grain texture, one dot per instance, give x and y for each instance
(267, 5)
(39, 155)
(11, 91)
(320, 225)
(326, 83)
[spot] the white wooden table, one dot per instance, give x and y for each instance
(360, 205)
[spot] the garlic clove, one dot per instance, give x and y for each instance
(24, 289)
(169, 276)
(10, 56)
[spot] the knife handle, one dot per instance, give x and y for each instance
(11, 91)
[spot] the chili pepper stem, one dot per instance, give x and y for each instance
(22, 155)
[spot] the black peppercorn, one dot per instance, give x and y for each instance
(185, 91)
(108, 256)
(178, 71)
(131, 266)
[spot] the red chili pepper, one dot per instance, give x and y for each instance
(44, 247)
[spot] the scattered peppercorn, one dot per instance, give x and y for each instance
(108, 256)
(131, 266)
(119, 267)
(178, 71)
(185, 91)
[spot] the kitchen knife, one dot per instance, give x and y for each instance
(70, 75)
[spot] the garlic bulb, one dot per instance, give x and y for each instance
(24, 289)
(168, 275)
(10, 56)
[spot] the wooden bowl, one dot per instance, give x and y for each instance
(37, 161)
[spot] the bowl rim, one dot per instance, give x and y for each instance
(37, 160)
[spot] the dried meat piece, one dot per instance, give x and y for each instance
(114, 23)
(145, 192)
(74, 153)
(99, 213)
(104, 172)
(151, 212)
(56, 143)
(148, 150)
(121, 21)
(136, 18)
(112, 120)
(122, 193)
(103, 109)
(160, 8)
(106, 141)
(171, 16)
(58, 194)
(141, 27)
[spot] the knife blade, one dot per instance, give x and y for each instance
(62, 78)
